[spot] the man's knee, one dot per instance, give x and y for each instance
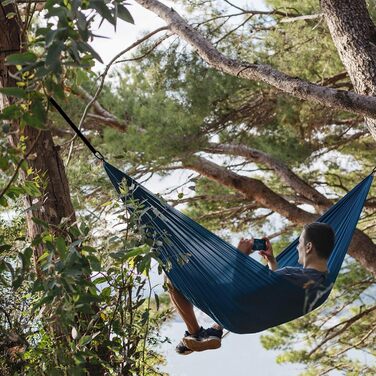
(170, 287)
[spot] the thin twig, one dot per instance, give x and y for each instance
(356, 345)
(233, 30)
(346, 324)
(155, 45)
(103, 77)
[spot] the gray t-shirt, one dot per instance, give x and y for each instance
(311, 280)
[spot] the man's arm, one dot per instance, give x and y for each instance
(268, 255)
(245, 246)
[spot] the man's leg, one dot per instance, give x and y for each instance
(197, 338)
(184, 308)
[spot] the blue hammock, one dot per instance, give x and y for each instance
(238, 292)
(235, 290)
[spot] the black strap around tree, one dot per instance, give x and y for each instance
(96, 153)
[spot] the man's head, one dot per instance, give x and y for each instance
(316, 242)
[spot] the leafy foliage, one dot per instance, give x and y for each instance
(75, 308)
(87, 309)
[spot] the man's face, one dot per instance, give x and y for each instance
(301, 248)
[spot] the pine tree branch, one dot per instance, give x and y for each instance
(357, 344)
(286, 174)
(345, 325)
(328, 97)
(252, 189)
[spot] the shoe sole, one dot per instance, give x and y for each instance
(184, 353)
(210, 343)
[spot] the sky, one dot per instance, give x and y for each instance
(145, 21)
(240, 355)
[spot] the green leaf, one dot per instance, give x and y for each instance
(156, 297)
(57, 35)
(42, 31)
(100, 280)
(3, 201)
(43, 257)
(85, 47)
(31, 189)
(135, 252)
(144, 265)
(61, 246)
(26, 257)
(11, 112)
(13, 92)
(60, 12)
(139, 303)
(21, 59)
(82, 23)
(30, 120)
(106, 292)
(16, 283)
(88, 249)
(95, 263)
(5, 247)
(123, 14)
(40, 222)
(4, 164)
(11, 15)
(102, 9)
(53, 58)
(37, 115)
(44, 300)
(87, 339)
(38, 110)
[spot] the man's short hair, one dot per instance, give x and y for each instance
(322, 236)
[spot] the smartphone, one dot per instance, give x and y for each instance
(259, 245)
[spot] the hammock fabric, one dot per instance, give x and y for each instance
(235, 290)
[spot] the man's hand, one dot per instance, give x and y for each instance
(245, 246)
(268, 255)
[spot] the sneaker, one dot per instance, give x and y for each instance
(181, 348)
(206, 339)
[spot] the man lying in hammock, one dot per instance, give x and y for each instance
(316, 243)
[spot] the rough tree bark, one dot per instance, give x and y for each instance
(45, 159)
(344, 100)
(354, 35)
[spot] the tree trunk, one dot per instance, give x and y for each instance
(44, 160)
(354, 35)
